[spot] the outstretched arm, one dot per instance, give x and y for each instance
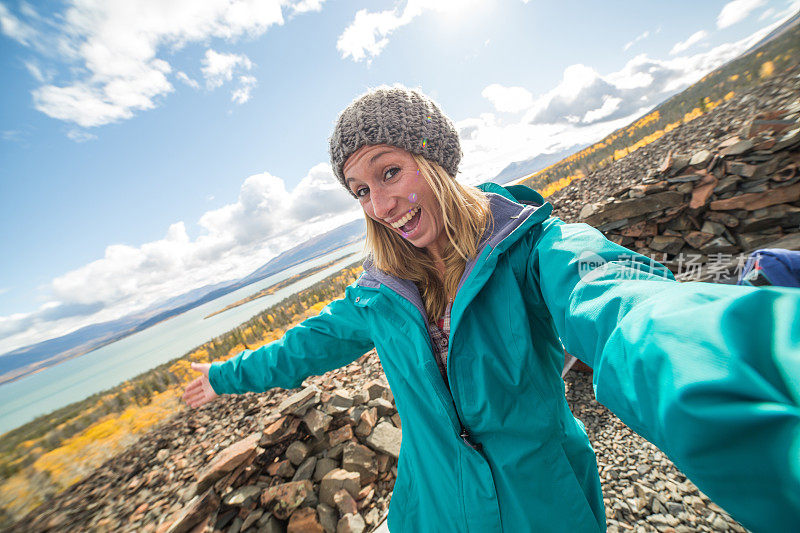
(334, 338)
(709, 373)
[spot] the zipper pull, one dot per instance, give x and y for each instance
(465, 436)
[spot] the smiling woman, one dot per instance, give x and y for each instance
(421, 224)
(470, 296)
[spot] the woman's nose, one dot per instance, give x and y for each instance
(383, 204)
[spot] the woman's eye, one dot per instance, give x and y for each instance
(362, 191)
(390, 173)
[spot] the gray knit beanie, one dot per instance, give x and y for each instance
(400, 117)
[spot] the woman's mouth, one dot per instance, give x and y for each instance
(409, 222)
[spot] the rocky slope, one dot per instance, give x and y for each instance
(710, 191)
(320, 458)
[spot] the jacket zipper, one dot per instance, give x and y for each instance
(463, 432)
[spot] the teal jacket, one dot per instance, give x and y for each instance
(708, 373)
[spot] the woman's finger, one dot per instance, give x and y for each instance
(192, 390)
(193, 385)
(190, 395)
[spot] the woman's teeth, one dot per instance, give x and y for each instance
(406, 218)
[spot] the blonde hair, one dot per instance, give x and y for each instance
(465, 215)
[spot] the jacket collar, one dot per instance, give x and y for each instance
(507, 216)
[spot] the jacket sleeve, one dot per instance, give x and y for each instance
(709, 373)
(335, 337)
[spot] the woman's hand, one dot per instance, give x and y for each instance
(199, 391)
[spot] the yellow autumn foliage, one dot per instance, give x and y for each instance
(691, 115)
(85, 451)
(558, 185)
(766, 70)
(642, 122)
(198, 356)
(236, 349)
(316, 308)
(21, 493)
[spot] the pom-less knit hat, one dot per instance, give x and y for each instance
(400, 117)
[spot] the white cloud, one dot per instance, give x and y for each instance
(117, 51)
(638, 38)
(234, 240)
(584, 95)
(11, 135)
(187, 80)
(736, 11)
(34, 70)
(218, 68)
(80, 136)
(368, 34)
(610, 104)
(318, 194)
(766, 14)
(508, 99)
(14, 28)
(684, 45)
(304, 6)
(242, 94)
(86, 105)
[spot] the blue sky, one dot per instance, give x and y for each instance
(151, 147)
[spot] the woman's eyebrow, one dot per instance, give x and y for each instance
(376, 156)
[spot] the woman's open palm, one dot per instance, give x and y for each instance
(199, 391)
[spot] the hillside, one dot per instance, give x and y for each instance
(775, 55)
(714, 190)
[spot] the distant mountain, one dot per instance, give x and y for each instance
(29, 359)
(321, 245)
(526, 167)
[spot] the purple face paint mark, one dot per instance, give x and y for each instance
(404, 234)
(412, 197)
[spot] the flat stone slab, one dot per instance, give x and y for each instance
(299, 402)
(194, 512)
(227, 460)
(635, 207)
(759, 200)
(386, 438)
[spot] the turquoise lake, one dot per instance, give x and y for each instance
(73, 380)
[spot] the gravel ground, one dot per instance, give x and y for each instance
(643, 491)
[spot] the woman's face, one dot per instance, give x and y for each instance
(392, 192)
